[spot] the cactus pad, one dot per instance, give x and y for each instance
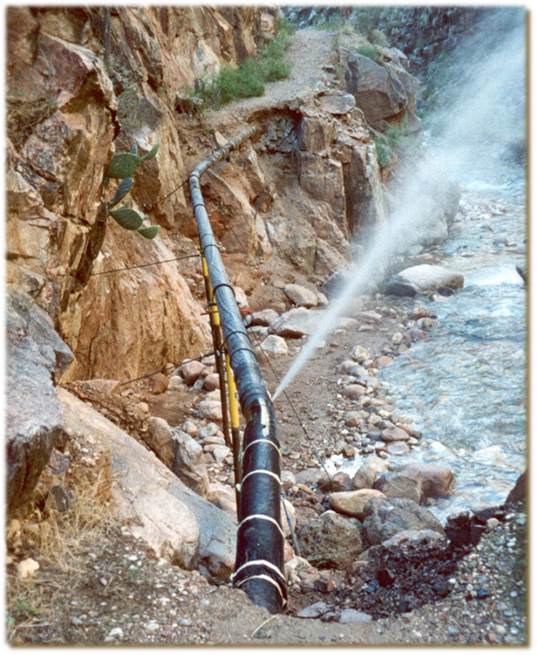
(123, 165)
(127, 218)
(149, 232)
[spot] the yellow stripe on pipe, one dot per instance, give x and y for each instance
(233, 400)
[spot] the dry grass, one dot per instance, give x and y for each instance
(61, 542)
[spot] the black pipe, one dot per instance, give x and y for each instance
(260, 540)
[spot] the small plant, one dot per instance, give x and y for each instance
(370, 51)
(122, 167)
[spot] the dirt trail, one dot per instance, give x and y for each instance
(310, 51)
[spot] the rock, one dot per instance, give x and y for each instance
(190, 428)
(153, 504)
(299, 570)
(338, 103)
(398, 448)
(408, 542)
(330, 540)
(58, 499)
(354, 391)
(382, 361)
(386, 518)
(211, 382)
(288, 479)
(519, 492)
(115, 633)
(394, 434)
(398, 485)
(210, 409)
(274, 345)
(26, 568)
(349, 615)
(360, 354)
(382, 92)
(223, 496)
(265, 317)
(220, 453)
(422, 278)
(300, 295)
(188, 464)
(296, 323)
(159, 437)
(436, 480)
(310, 477)
(191, 371)
(33, 414)
(352, 503)
(353, 419)
(176, 383)
(340, 481)
(365, 476)
(159, 383)
(465, 529)
(314, 611)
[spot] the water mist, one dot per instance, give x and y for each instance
(473, 134)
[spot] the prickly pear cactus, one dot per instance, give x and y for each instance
(123, 166)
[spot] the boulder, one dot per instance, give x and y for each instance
(33, 413)
(154, 505)
(264, 317)
(436, 480)
(381, 92)
(360, 354)
(398, 485)
(423, 278)
(365, 476)
(340, 481)
(520, 491)
(300, 295)
(274, 345)
(331, 540)
(338, 103)
(386, 518)
(296, 323)
(352, 503)
(189, 465)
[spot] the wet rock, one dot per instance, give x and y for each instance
(398, 448)
(330, 540)
(386, 518)
(394, 434)
(398, 485)
(519, 492)
(365, 476)
(352, 503)
(33, 414)
(274, 345)
(296, 323)
(436, 480)
(465, 529)
(338, 103)
(191, 371)
(422, 278)
(301, 296)
(188, 463)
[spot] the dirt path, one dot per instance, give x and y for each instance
(310, 52)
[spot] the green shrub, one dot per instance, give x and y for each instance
(370, 51)
(248, 79)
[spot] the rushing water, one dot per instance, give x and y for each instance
(464, 387)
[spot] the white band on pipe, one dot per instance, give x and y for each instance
(263, 517)
(261, 576)
(259, 562)
(257, 471)
(261, 441)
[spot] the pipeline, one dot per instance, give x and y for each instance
(260, 539)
